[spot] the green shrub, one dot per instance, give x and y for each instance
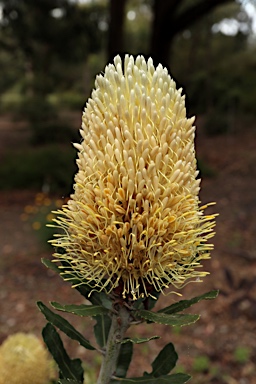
(40, 213)
(52, 132)
(49, 167)
(201, 364)
(70, 100)
(242, 354)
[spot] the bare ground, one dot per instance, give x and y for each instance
(227, 324)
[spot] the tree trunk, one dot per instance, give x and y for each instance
(161, 37)
(168, 21)
(116, 28)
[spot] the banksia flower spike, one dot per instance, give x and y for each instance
(134, 222)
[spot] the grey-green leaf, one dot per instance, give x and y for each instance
(101, 329)
(81, 310)
(184, 304)
(69, 369)
(165, 361)
(139, 340)
(163, 318)
(178, 378)
(124, 359)
(61, 323)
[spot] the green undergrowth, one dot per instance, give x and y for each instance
(48, 167)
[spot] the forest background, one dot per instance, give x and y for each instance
(50, 52)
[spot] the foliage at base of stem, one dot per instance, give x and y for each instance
(111, 324)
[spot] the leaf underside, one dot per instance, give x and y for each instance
(178, 378)
(81, 310)
(139, 340)
(184, 304)
(163, 318)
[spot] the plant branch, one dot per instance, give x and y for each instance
(120, 323)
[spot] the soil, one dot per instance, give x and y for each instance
(226, 331)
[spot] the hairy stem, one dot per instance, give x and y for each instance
(119, 325)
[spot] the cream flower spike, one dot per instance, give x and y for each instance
(133, 225)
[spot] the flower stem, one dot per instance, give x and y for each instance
(119, 325)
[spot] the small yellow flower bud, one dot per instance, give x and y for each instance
(24, 360)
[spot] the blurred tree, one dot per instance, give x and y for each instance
(170, 17)
(217, 69)
(54, 39)
(49, 32)
(117, 15)
(137, 25)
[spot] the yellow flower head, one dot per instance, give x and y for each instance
(24, 360)
(134, 223)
